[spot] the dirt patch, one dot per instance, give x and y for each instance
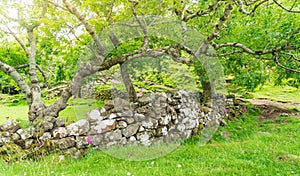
(270, 110)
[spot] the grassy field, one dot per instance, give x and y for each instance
(76, 110)
(247, 146)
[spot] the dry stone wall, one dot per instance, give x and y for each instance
(158, 117)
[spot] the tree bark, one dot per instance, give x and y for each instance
(124, 71)
(127, 81)
(37, 105)
(208, 91)
(9, 70)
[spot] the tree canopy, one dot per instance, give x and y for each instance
(47, 41)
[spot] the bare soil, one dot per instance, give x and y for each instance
(270, 110)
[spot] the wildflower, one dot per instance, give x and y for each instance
(89, 140)
(152, 163)
(245, 109)
(225, 111)
(179, 165)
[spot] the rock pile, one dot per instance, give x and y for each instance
(158, 117)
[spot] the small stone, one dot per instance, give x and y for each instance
(141, 129)
(28, 143)
(223, 122)
(132, 139)
(103, 111)
(94, 117)
(82, 142)
(10, 126)
(150, 123)
(103, 126)
(181, 127)
(121, 124)
(4, 140)
(144, 100)
(113, 135)
(15, 136)
(108, 105)
(78, 128)
(165, 120)
(74, 152)
(131, 130)
(64, 143)
(112, 116)
(60, 122)
(129, 120)
(60, 132)
(97, 139)
(61, 158)
(45, 136)
(123, 141)
(27, 133)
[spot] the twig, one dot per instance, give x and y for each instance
(141, 23)
(285, 8)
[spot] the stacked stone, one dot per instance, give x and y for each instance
(158, 117)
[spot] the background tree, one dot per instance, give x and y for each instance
(258, 34)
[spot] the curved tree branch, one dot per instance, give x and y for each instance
(19, 41)
(285, 8)
(141, 23)
(101, 49)
(276, 58)
(200, 12)
(11, 71)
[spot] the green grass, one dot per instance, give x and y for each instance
(276, 93)
(19, 111)
(249, 147)
(253, 148)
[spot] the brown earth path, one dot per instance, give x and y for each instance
(272, 109)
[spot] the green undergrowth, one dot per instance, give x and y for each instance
(246, 146)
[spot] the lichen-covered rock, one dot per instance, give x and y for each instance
(28, 143)
(131, 130)
(64, 143)
(10, 126)
(150, 123)
(4, 140)
(94, 117)
(45, 136)
(103, 126)
(82, 142)
(74, 152)
(60, 132)
(128, 120)
(47, 124)
(121, 124)
(113, 135)
(26, 133)
(144, 138)
(97, 139)
(165, 120)
(15, 136)
(60, 122)
(78, 128)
